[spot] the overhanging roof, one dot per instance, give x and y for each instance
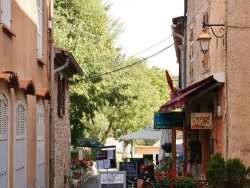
(198, 89)
(60, 56)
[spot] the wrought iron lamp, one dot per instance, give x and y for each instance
(205, 38)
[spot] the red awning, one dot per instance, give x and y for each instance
(179, 100)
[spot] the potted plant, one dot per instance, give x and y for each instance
(167, 147)
(185, 180)
(165, 179)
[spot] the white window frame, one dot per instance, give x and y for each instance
(39, 28)
(6, 12)
(40, 144)
(20, 145)
(4, 130)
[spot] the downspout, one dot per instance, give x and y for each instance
(185, 46)
(66, 64)
(51, 130)
(185, 162)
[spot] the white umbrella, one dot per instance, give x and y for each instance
(144, 134)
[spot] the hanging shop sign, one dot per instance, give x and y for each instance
(168, 120)
(201, 120)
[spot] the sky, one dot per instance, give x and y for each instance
(147, 25)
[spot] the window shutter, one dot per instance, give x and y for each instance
(40, 156)
(3, 141)
(20, 149)
(6, 12)
(39, 28)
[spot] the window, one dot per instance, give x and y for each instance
(40, 145)
(6, 7)
(61, 96)
(39, 28)
(3, 141)
(20, 149)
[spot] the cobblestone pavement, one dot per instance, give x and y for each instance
(91, 182)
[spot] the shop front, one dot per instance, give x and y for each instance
(202, 128)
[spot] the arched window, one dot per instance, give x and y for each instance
(20, 149)
(3, 141)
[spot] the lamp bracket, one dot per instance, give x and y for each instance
(210, 26)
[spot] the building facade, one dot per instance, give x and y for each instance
(24, 94)
(213, 84)
(34, 109)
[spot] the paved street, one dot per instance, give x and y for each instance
(91, 182)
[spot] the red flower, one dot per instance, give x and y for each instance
(171, 184)
(187, 173)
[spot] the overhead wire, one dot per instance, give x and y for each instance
(139, 61)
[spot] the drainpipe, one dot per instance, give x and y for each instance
(185, 46)
(51, 130)
(66, 64)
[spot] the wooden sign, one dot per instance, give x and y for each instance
(201, 120)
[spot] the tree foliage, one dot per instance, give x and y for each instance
(116, 94)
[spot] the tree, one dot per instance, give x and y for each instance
(116, 94)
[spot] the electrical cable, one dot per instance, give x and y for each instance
(150, 47)
(139, 61)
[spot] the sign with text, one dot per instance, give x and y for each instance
(130, 168)
(112, 179)
(168, 120)
(201, 121)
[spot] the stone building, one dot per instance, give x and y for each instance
(214, 83)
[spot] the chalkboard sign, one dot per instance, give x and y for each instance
(112, 179)
(130, 168)
(139, 162)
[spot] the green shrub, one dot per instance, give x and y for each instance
(227, 174)
(215, 174)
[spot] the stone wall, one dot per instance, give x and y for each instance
(62, 141)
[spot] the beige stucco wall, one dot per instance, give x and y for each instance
(229, 54)
(238, 71)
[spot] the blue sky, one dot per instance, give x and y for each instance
(146, 23)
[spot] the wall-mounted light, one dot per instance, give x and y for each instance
(205, 38)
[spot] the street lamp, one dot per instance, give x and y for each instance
(204, 39)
